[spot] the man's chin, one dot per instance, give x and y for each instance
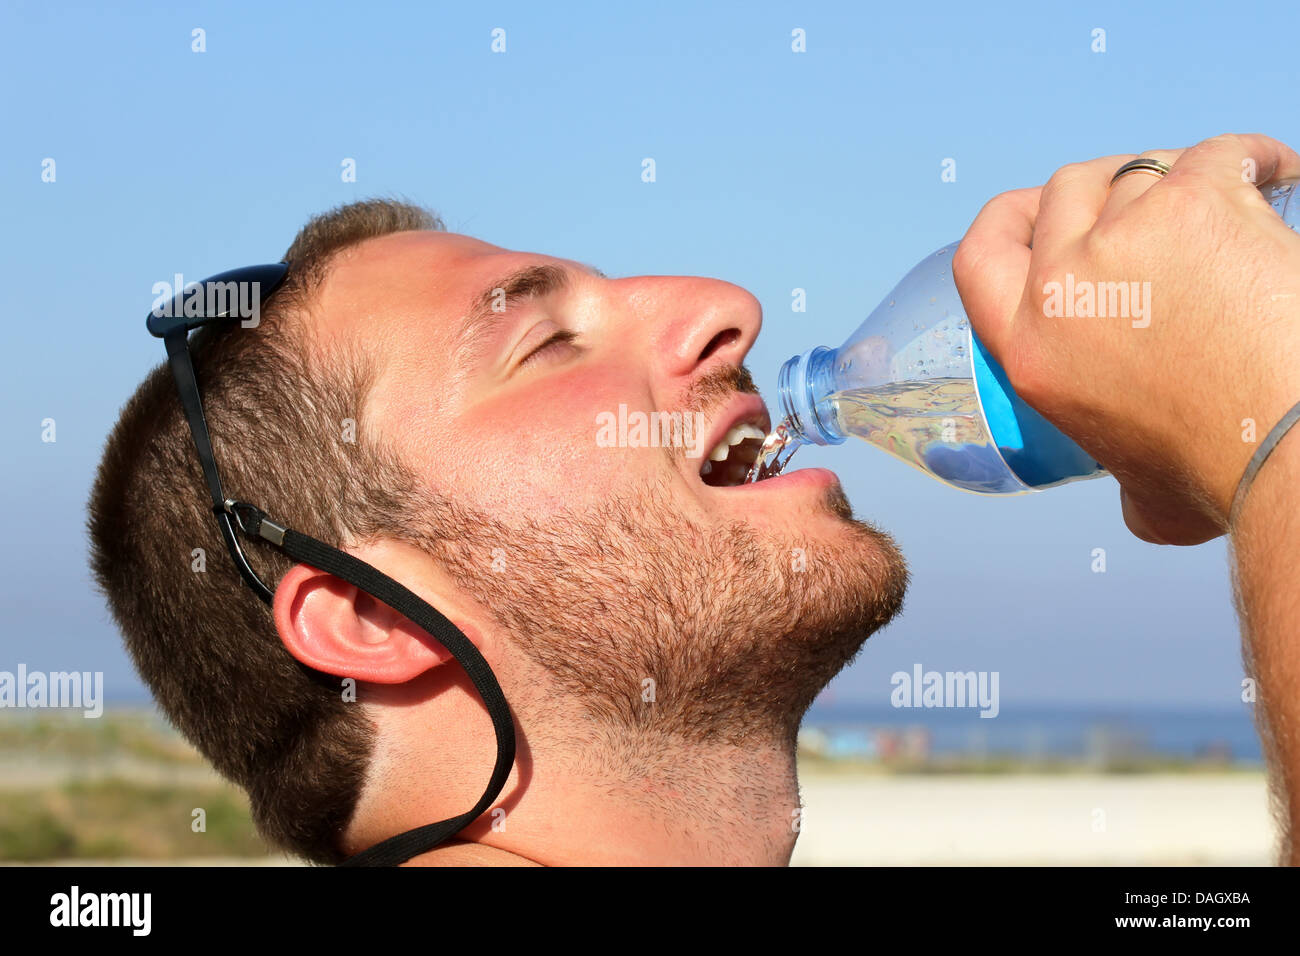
(738, 622)
(865, 579)
(837, 502)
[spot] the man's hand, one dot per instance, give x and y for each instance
(1160, 397)
(1208, 338)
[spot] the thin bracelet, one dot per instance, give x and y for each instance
(1257, 461)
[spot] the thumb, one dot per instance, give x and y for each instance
(991, 265)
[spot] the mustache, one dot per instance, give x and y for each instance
(708, 392)
(715, 387)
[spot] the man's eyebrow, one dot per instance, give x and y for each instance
(492, 304)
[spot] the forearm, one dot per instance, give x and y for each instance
(1266, 588)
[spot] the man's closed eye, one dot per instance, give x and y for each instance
(556, 345)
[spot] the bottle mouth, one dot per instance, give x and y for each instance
(790, 411)
(804, 389)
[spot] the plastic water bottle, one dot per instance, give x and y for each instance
(916, 381)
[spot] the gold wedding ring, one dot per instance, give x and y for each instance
(1143, 164)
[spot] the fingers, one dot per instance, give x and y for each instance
(991, 265)
(1073, 199)
(1242, 162)
(1132, 185)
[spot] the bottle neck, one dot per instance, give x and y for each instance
(805, 385)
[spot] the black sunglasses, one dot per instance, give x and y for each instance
(221, 301)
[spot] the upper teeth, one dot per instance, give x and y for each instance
(735, 436)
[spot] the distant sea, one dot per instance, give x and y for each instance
(1021, 731)
(1039, 731)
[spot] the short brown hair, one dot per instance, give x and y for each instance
(203, 642)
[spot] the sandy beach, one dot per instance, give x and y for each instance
(78, 790)
(1029, 819)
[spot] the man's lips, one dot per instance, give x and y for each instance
(745, 407)
(736, 434)
(748, 408)
(818, 478)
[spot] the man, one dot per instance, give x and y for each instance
(657, 630)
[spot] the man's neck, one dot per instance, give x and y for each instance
(694, 804)
(462, 853)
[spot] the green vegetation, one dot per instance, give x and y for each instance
(124, 786)
(114, 819)
(139, 733)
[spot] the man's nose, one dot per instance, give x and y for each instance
(695, 324)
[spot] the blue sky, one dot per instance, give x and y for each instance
(775, 170)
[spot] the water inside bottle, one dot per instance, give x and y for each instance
(921, 421)
(917, 421)
(935, 425)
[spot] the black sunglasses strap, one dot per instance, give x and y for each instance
(308, 550)
(182, 366)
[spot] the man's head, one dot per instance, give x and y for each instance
(442, 408)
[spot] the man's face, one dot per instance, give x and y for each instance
(502, 376)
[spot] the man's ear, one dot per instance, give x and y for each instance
(337, 628)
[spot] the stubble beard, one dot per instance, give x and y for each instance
(661, 628)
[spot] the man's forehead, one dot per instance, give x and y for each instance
(411, 297)
(417, 245)
(425, 283)
(404, 270)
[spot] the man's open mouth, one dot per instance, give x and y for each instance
(734, 451)
(730, 461)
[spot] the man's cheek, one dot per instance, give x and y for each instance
(538, 469)
(548, 478)
(559, 443)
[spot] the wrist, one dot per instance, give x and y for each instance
(1273, 485)
(1248, 423)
